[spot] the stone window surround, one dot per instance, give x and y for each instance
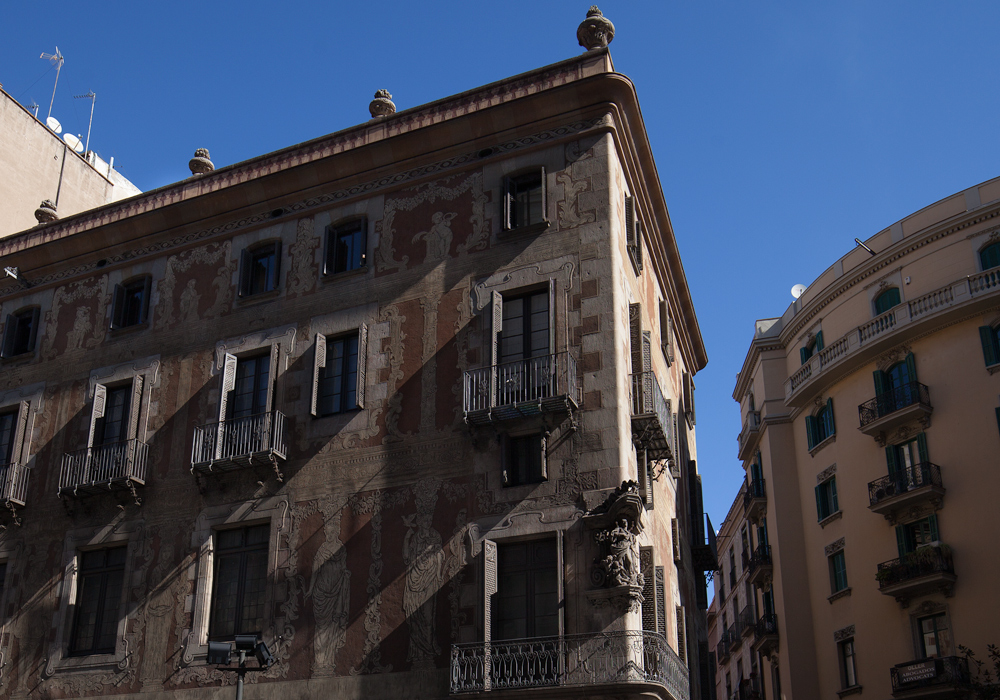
(249, 241)
(273, 510)
(34, 394)
(148, 367)
(155, 270)
(323, 222)
(283, 336)
(43, 300)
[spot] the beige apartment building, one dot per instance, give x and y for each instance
(871, 443)
(411, 404)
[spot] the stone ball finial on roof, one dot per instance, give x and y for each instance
(596, 31)
(46, 212)
(201, 164)
(382, 105)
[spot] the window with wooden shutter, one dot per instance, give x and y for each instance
(648, 589)
(20, 332)
(666, 334)
(990, 339)
(97, 413)
(525, 200)
(319, 363)
(260, 268)
(135, 408)
(489, 586)
(675, 539)
(228, 379)
(681, 634)
(633, 234)
(130, 303)
(661, 600)
(362, 365)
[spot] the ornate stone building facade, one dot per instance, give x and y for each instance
(413, 402)
(871, 430)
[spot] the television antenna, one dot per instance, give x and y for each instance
(93, 98)
(54, 124)
(73, 142)
(57, 60)
(34, 107)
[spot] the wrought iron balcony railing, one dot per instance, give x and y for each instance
(759, 561)
(735, 638)
(910, 394)
(755, 499)
(746, 621)
(651, 421)
(102, 467)
(602, 658)
(238, 442)
(945, 672)
(751, 428)
(904, 480)
(13, 483)
(521, 388)
(765, 634)
(722, 648)
(928, 561)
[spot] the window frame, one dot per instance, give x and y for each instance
(248, 258)
(633, 234)
(812, 346)
(884, 294)
(510, 182)
(989, 338)
(10, 332)
(990, 247)
(507, 452)
(353, 226)
(120, 302)
(320, 359)
(243, 551)
(847, 657)
(838, 576)
(821, 426)
(102, 573)
(826, 498)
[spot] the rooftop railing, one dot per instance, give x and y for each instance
(101, 467)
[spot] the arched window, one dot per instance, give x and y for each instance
(886, 300)
(990, 256)
(820, 426)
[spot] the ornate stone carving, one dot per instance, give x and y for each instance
(834, 547)
(844, 633)
(826, 473)
(85, 333)
(596, 31)
(569, 215)
(424, 559)
(201, 164)
(562, 269)
(619, 565)
(46, 212)
(330, 588)
(302, 275)
(382, 105)
(618, 522)
(190, 298)
(892, 356)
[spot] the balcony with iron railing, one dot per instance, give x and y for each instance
(13, 483)
(735, 639)
(930, 678)
(746, 621)
(705, 550)
(909, 486)
(722, 648)
(747, 438)
(102, 468)
(651, 421)
(761, 569)
(521, 388)
(927, 569)
(755, 499)
(863, 343)
(893, 408)
(609, 662)
(765, 634)
(239, 442)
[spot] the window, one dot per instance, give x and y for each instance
(886, 300)
(732, 570)
(990, 256)
(667, 334)
(8, 425)
(633, 234)
(111, 443)
(131, 302)
(688, 395)
(916, 534)
(820, 426)
(814, 345)
(989, 336)
(935, 638)
(252, 388)
(525, 199)
(260, 269)
(247, 422)
(526, 603)
(346, 247)
(848, 669)
(98, 599)
(339, 372)
(838, 571)
(238, 591)
(826, 499)
(525, 331)
(523, 459)
(20, 332)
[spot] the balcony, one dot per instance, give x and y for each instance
(765, 634)
(103, 468)
(911, 486)
(746, 621)
(930, 678)
(523, 388)
(761, 569)
(735, 640)
(609, 660)
(894, 408)
(755, 500)
(863, 344)
(705, 549)
(240, 442)
(651, 421)
(748, 436)
(722, 648)
(13, 483)
(928, 569)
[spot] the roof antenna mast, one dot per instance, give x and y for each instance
(57, 60)
(92, 96)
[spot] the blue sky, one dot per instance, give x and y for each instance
(781, 130)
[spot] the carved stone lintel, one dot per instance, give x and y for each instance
(842, 634)
(834, 547)
(201, 164)
(382, 105)
(46, 212)
(622, 599)
(596, 31)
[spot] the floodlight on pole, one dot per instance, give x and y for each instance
(57, 60)
(219, 654)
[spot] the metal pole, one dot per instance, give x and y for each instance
(239, 675)
(93, 100)
(58, 68)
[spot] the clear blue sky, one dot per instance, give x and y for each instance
(781, 130)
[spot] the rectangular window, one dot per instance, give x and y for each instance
(8, 423)
(935, 638)
(131, 302)
(525, 199)
(114, 424)
(916, 534)
(20, 332)
(523, 459)
(252, 387)
(848, 669)
(346, 247)
(666, 333)
(732, 569)
(260, 269)
(633, 234)
(98, 599)
(838, 571)
(525, 331)
(239, 586)
(526, 603)
(339, 372)
(826, 498)
(820, 426)
(990, 339)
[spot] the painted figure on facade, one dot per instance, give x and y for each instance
(330, 588)
(439, 237)
(620, 566)
(424, 558)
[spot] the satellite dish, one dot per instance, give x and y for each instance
(797, 290)
(54, 124)
(73, 142)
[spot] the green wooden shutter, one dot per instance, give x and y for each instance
(901, 540)
(911, 367)
(998, 418)
(833, 495)
(892, 458)
(880, 382)
(932, 520)
(922, 447)
(831, 427)
(811, 431)
(819, 341)
(804, 354)
(990, 350)
(819, 503)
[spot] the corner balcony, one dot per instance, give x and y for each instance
(612, 663)
(13, 483)
(545, 384)
(894, 408)
(761, 568)
(99, 469)
(651, 421)
(240, 442)
(748, 436)
(930, 678)
(909, 487)
(926, 570)
(755, 500)
(765, 635)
